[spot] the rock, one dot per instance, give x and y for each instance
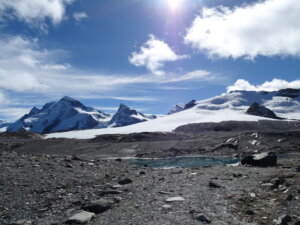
(22, 222)
(99, 206)
(118, 160)
(276, 182)
(253, 195)
(260, 160)
(125, 181)
(250, 212)
(69, 166)
(175, 199)
(166, 206)
(283, 220)
(213, 184)
(201, 218)
(298, 169)
(81, 217)
(116, 186)
(257, 110)
(297, 223)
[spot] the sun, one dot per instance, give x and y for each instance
(174, 4)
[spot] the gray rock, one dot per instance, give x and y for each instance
(125, 181)
(81, 217)
(99, 206)
(214, 185)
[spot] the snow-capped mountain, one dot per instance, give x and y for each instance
(181, 107)
(228, 106)
(126, 116)
(66, 114)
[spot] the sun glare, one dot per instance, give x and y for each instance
(174, 4)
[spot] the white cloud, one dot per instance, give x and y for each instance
(78, 16)
(267, 28)
(193, 75)
(153, 54)
(34, 11)
(274, 85)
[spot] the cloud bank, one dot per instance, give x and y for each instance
(34, 11)
(274, 85)
(266, 28)
(153, 54)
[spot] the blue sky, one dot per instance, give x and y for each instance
(148, 54)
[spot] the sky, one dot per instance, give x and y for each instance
(147, 54)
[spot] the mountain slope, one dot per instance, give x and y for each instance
(126, 116)
(66, 114)
(226, 107)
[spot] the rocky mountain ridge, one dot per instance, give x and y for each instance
(69, 114)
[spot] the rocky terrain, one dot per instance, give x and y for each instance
(59, 181)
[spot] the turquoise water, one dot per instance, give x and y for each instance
(183, 162)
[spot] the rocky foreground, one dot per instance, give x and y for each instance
(58, 189)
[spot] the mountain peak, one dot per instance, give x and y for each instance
(123, 107)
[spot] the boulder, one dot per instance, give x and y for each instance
(265, 159)
(81, 217)
(99, 206)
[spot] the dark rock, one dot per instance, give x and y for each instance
(213, 185)
(283, 220)
(298, 169)
(260, 160)
(76, 158)
(250, 212)
(276, 182)
(125, 181)
(118, 160)
(99, 206)
(142, 172)
(202, 218)
(297, 223)
(257, 110)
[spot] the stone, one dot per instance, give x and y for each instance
(298, 169)
(297, 223)
(175, 199)
(166, 206)
(250, 212)
(213, 185)
(201, 218)
(99, 206)
(266, 159)
(81, 217)
(125, 181)
(283, 220)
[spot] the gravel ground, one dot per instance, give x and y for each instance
(48, 189)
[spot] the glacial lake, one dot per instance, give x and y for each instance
(183, 162)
